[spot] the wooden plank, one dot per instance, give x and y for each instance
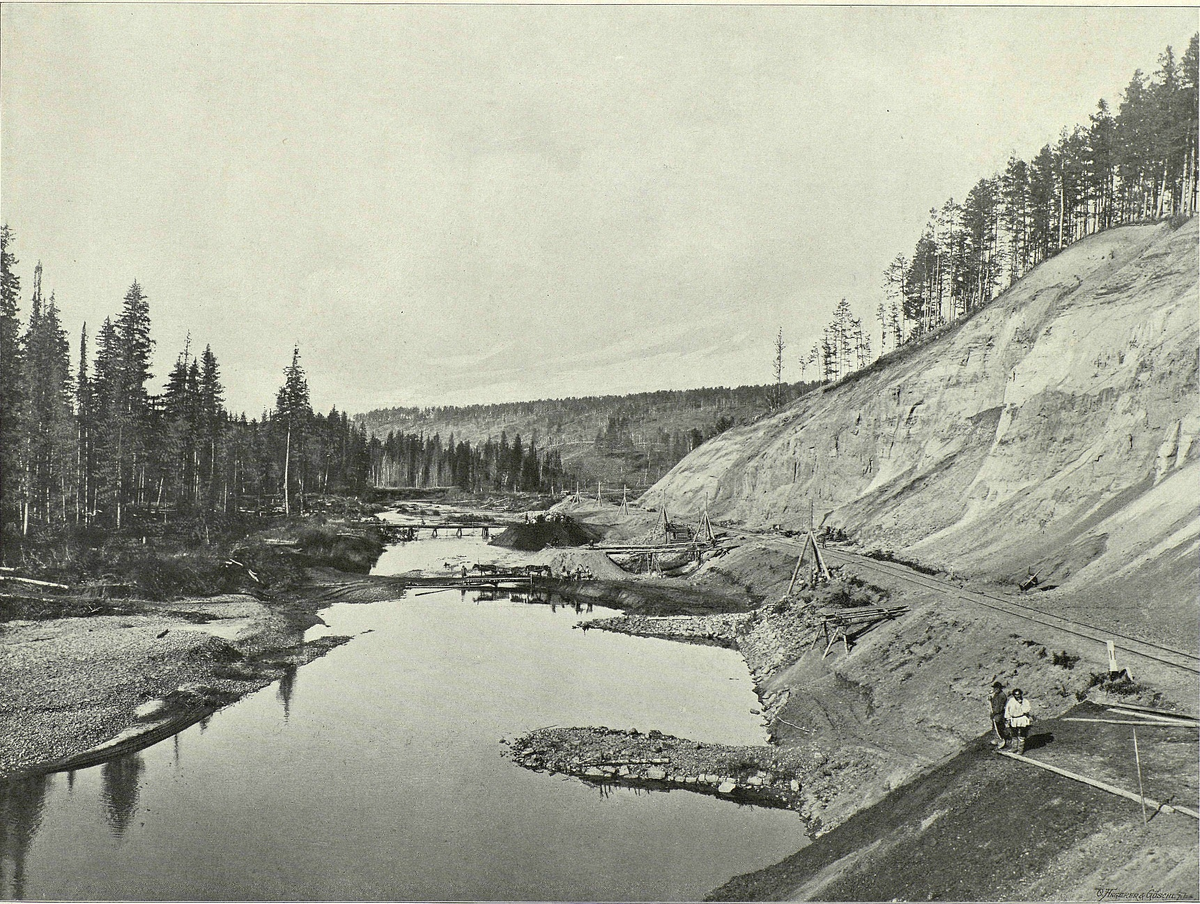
(1154, 712)
(1149, 714)
(1103, 786)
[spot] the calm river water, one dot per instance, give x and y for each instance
(376, 772)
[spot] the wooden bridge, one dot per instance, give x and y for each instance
(444, 529)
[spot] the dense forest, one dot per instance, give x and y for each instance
(632, 439)
(414, 460)
(1137, 164)
(95, 446)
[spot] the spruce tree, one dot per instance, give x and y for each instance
(292, 412)
(10, 380)
(84, 417)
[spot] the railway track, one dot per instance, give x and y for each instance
(1135, 646)
(1180, 659)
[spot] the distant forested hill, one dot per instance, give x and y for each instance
(618, 440)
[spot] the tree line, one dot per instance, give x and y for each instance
(1138, 164)
(555, 414)
(415, 460)
(94, 445)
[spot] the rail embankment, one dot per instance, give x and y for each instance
(899, 695)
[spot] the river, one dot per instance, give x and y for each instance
(377, 772)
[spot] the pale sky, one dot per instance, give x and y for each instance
(449, 204)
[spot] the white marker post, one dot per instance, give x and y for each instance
(1112, 658)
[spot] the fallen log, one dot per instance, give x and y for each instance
(13, 577)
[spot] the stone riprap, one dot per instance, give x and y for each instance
(715, 630)
(766, 776)
(769, 638)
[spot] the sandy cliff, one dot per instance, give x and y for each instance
(1056, 429)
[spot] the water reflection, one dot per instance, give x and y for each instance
(119, 787)
(21, 802)
(405, 720)
(287, 687)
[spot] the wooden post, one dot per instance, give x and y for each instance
(795, 574)
(1112, 658)
(1138, 759)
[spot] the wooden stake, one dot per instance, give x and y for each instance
(51, 584)
(1138, 758)
(1154, 712)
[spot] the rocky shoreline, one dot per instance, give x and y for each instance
(800, 778)
(710, 630)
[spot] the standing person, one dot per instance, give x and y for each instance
(998, 700)
(1017, 712)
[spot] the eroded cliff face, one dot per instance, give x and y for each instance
(1057, 429)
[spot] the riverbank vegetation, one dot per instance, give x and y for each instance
(118, 489)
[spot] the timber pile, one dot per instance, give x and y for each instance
(847, 625)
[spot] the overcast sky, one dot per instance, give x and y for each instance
(455, 204)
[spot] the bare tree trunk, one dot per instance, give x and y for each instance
(287, 460)
(1062, 200)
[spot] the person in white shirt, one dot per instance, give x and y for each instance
(1018, 715)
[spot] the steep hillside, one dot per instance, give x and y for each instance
(617, 440)
(1054, 430)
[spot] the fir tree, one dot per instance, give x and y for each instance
(10, 379)
(292, 412)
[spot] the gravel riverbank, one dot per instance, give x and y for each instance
(84, 689)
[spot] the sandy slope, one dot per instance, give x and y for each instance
(1054, 430)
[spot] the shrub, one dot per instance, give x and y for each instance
(1065, 660)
